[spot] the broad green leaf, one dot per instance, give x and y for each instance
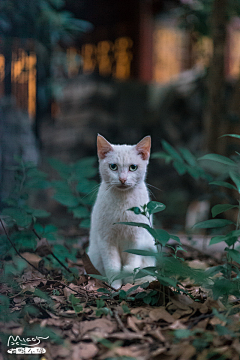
(162, 155)
(236, 179)
(141, 252)
(99, 277)
(176, 238)
(234, 254)
(39, 213)
(142, 225)
(218, 209)
(63, 169)
(231, 135)
(167, 147)
(217, 239)
(183, 333)
(223, 184)
(136, 210)
(167, 281)
(18, 215)
(86, 186)
(84, 168)
(155, 206)
(180, 167)
(66, 199)
(188, 156)
(80, 212)
(213, 223)
(218, 158)
(85, 224)
(161, 235)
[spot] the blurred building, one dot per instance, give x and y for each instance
(137, 39)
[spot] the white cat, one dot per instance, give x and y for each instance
(123, 170)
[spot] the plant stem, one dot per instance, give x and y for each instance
(55, 257)
(18, 253)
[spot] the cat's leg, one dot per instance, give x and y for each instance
(131, 262)
(112, 262)
(95, 257)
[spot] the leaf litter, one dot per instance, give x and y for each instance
(92, 321)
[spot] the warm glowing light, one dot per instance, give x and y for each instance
(109, 58)
(2, 67)
(167, 53)
(32, 74)
(24, 72)
(89, 58)
(234, 56)
(104, 57)
(123, 56)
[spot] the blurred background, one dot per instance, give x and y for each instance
(125, 69)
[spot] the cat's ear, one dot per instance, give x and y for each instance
(143, 147)
(103, 147)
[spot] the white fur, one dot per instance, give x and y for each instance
(108, 240)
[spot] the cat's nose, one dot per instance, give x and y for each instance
(122, 180)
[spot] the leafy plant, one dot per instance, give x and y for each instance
(169, 266)
(76, 189)
(220, 171)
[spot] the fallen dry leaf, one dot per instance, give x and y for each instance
(161, 314)
(84, 351)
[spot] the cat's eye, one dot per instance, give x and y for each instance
(113, 167)
(133, 167)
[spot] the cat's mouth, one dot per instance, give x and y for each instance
(123, 187)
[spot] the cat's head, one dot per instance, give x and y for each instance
(123, 166)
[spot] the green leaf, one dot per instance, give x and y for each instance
(99, 277)
(223, 184)
(39, 213)
(141, 252)
(136, 210)
(85, 224)
(188, 156)
(218, 209)
(212, 223)
(63, 169)
(162, 155)
(20, 216)
(80, 212)
(155, 206)
(86, 186)
(219, 158)
(126, 309)
(66, 199)
(183, 333)
(41, 294)
(180, 167)
(167, 147)
(84, 168)
(161, 235)
(234, 254)
(100, 303)
(217, 239)
(236, 179)
(231, 135)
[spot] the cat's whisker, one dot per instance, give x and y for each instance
(93, 191)
(154, 187)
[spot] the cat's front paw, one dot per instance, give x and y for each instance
(116, 284)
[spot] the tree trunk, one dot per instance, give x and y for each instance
(216, 122)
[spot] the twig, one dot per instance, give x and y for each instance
(18, 253)
(55, 257)
(120, 323)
